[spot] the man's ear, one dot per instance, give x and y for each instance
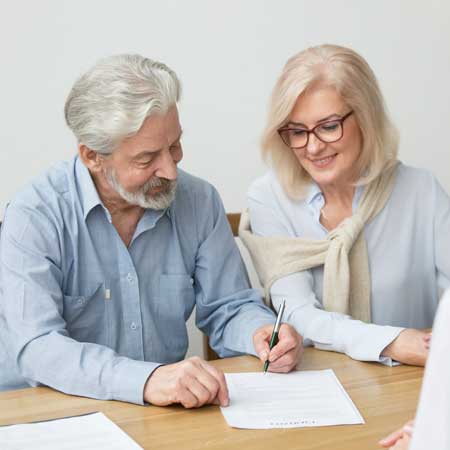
(91, 159)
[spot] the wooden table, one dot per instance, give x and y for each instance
(385, 396)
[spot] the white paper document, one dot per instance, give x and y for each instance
(310, 398)
(92, 431)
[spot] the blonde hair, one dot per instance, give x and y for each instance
(346, 71)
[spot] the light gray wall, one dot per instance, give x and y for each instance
(228, 55)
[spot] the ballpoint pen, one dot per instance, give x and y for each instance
(274, 337)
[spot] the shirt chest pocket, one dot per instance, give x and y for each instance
(176, 297)
(86, 314)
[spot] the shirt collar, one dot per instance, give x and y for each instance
(86, 187)
(313, 192)
(150, 218)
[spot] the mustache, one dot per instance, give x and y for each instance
(156, 182)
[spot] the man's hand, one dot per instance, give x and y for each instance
(192, 382)
(409, 347)
(400, 439)
(286, 354)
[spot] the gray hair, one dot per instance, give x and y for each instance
(111, 101)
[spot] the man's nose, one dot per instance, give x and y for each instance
(167, 167)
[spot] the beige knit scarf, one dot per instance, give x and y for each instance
(346, 283)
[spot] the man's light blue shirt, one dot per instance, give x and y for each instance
(84, 314)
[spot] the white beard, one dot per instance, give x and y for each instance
(159, 201)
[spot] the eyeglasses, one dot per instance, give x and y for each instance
(328, 132)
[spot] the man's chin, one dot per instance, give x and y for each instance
(158, 201)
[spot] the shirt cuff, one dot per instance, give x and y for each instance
(238, 336)
(129, 380)
(252, 327)
(363, 342)
(370, 346)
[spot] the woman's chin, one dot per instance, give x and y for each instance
(324, 177)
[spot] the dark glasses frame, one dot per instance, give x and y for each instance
(282, 130)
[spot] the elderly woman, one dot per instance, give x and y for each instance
(355, 241)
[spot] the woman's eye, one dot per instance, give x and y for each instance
(298, 132)
(330, 126)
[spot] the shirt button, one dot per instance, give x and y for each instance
(192, 281)
(133, 326)
(81, 301)
(130, 277)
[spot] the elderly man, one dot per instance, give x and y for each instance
(104, 258)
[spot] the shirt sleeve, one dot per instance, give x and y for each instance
(325, 330)
(442, 235)
(227, 310)
(39, 344)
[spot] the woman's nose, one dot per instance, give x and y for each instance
(315, 145)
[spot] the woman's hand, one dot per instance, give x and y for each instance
(409, 347)
(400, 439)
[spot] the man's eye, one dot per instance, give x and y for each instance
(145, 163)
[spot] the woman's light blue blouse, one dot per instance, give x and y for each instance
(409, 257)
